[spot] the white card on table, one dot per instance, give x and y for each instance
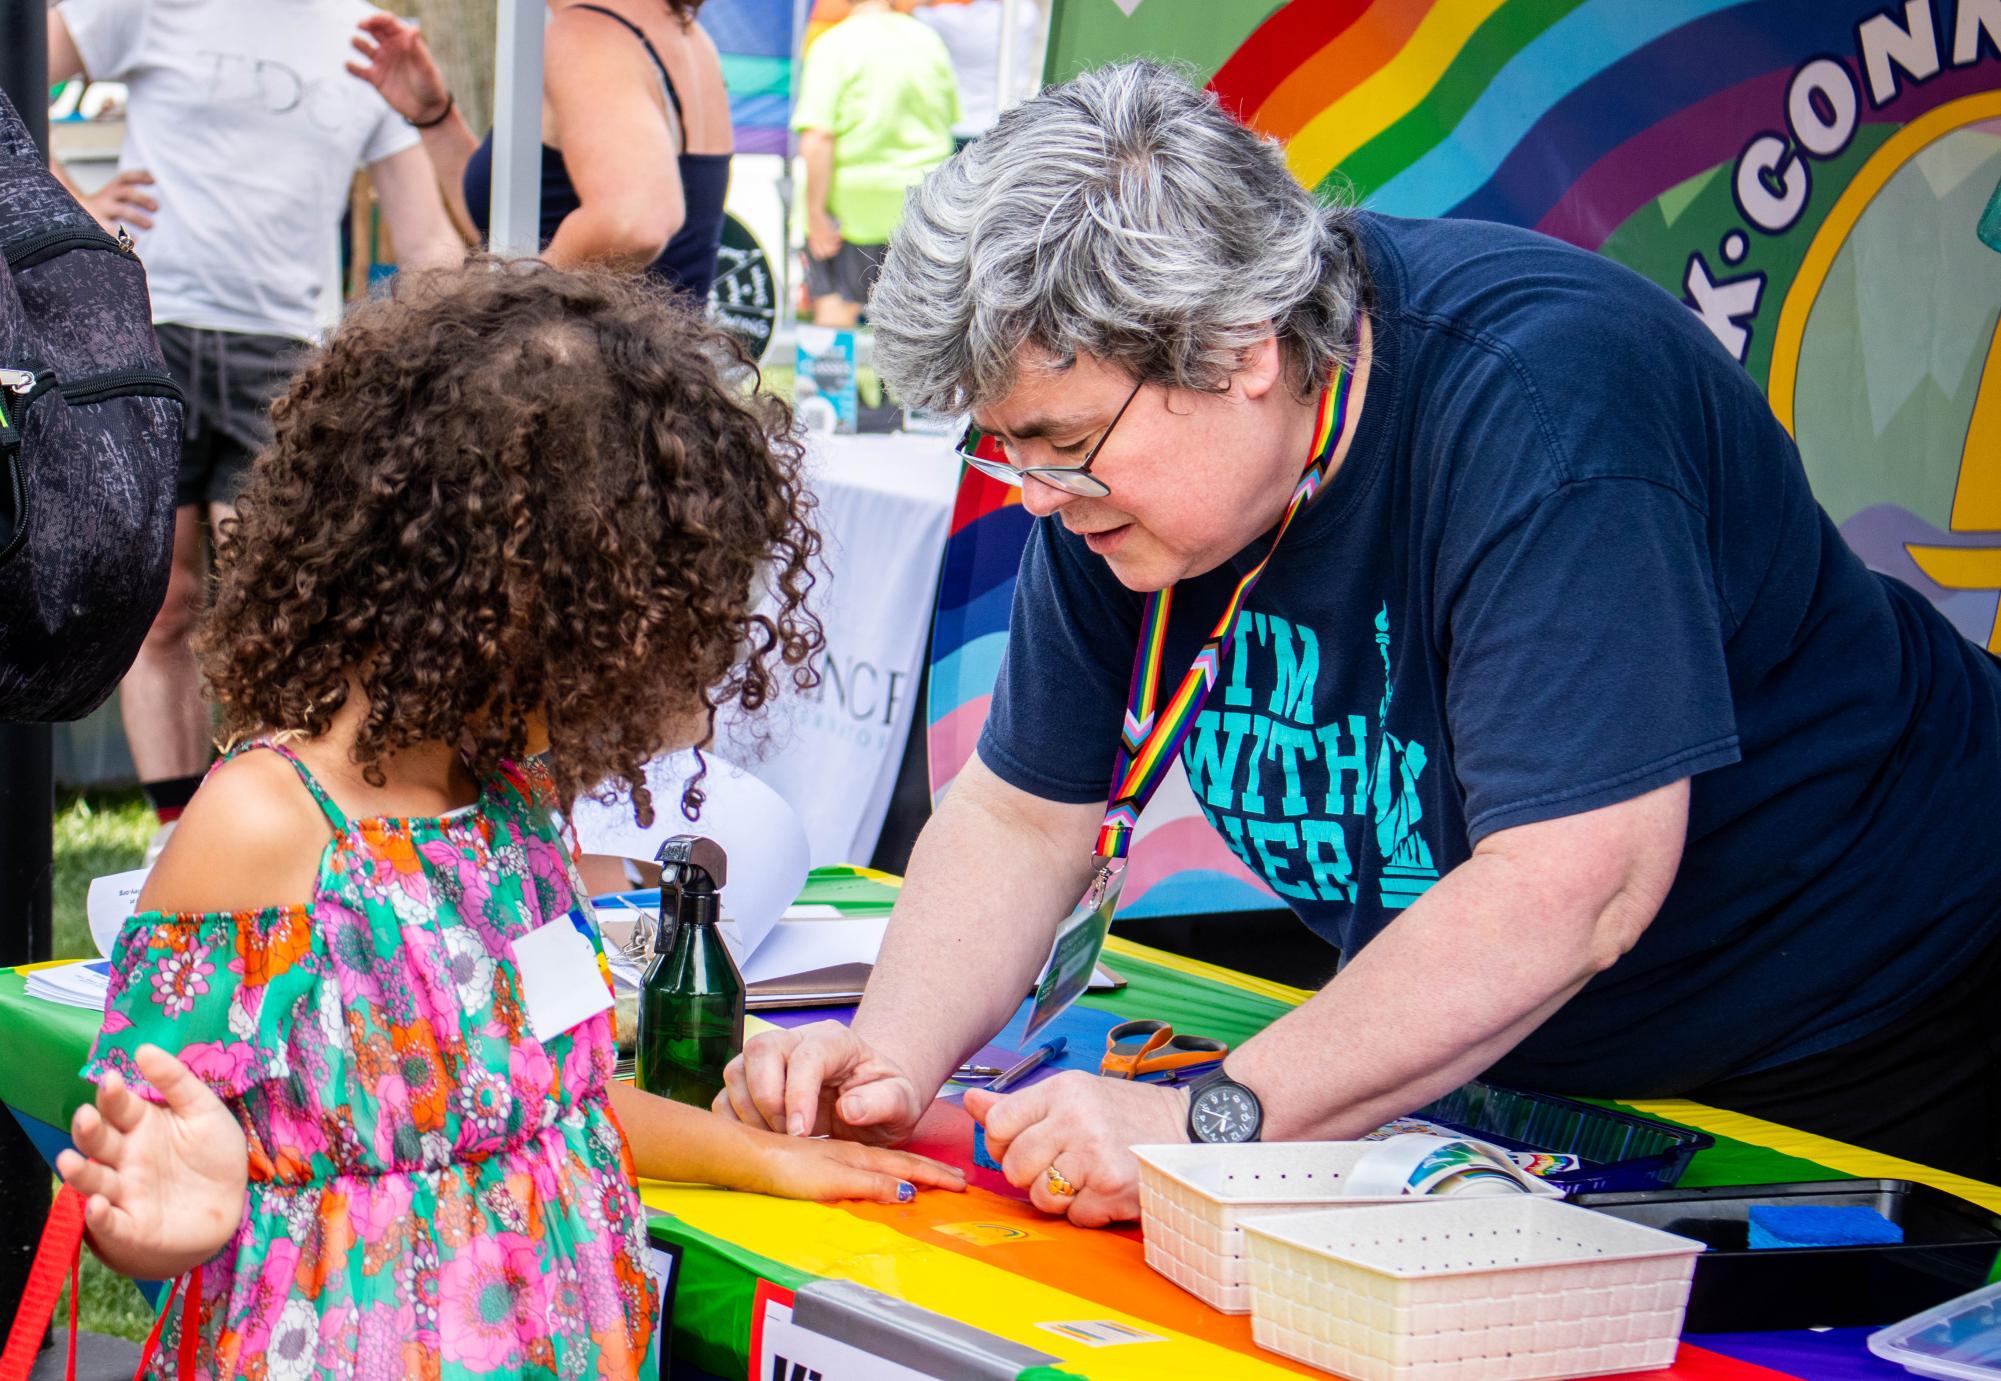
(561, 985)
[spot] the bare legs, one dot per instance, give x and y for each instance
(166, 721)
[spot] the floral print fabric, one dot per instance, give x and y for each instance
(433, 1191)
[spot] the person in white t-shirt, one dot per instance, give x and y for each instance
(972, 32)
(243, 130)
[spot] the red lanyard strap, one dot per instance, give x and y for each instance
(58, 1257)
(1148, 741)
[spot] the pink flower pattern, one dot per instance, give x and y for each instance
(180, 978)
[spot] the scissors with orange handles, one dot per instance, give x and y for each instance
(1138, 1049)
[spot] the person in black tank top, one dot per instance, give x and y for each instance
(623, 189)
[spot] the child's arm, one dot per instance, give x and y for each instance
(164, 1182)
(671, 1141)
(163, 1185)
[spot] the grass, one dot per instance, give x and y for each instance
(98, 832)
(110, 1304)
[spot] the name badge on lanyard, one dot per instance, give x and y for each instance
(561, 984)
(1150, 741)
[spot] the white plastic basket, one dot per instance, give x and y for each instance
(1515, 1289)
(1194, 1200)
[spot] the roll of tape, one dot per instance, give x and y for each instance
(1419, 1164)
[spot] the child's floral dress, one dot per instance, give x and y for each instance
(433, 1191)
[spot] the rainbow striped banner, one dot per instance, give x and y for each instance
(754, 39)
(1808, 176)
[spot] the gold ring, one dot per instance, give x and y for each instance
(1057, 1185)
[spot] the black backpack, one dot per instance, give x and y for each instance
(89, 447)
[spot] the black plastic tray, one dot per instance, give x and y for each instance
(1620, 1151)
(1949, 1247)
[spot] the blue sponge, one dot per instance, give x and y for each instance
(1820, 1225)
(980, 1156)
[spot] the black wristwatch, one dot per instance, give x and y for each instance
(1221, 1110)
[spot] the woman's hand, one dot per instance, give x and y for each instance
(818, 1079)
(121, 202)
(163, 1183)
(1086, 1128)
(823, 235)
(398, 63)
(804, 1168)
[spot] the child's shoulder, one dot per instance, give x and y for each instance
(252, 837)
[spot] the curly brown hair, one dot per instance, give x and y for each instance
(506, 489)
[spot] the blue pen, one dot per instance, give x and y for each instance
(1026, 1065)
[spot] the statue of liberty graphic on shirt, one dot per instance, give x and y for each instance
(1408, 868)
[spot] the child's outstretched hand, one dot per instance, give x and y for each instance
(163, 1183)
(811, 1168)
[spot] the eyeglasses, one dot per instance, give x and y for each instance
(1071, 479)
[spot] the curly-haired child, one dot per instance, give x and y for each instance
(508, 512)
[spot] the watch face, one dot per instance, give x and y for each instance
(1225, 1113)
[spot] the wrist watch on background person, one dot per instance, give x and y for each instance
(1223, 1111)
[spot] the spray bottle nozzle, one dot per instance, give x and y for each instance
(692, 863)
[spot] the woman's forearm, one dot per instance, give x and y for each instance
(1428, 1005)
(1479, 961)
(450, 146)
(993, 873)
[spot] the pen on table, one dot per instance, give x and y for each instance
(1026, 1065)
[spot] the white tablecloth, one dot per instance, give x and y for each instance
(885, 506)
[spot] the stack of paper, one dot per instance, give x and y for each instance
(82, 984)
(86, 982)
(813, 956)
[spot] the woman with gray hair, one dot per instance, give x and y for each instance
(1547, 694)
(1166, 240)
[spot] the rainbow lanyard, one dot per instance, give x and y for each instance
(1149, 743)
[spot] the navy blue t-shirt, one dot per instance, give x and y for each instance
(1569, 557)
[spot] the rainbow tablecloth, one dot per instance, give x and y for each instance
(989, 1259)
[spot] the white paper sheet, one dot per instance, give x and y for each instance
(760, 834)
(111, 901)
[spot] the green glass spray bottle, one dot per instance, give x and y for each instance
(691, 1001)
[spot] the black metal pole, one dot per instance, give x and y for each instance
(24, 64)
(27, 783)
(27, 842)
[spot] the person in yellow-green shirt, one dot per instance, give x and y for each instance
(877, 102)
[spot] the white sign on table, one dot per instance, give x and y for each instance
(792, 1352)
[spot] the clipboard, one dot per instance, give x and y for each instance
(828, 987)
